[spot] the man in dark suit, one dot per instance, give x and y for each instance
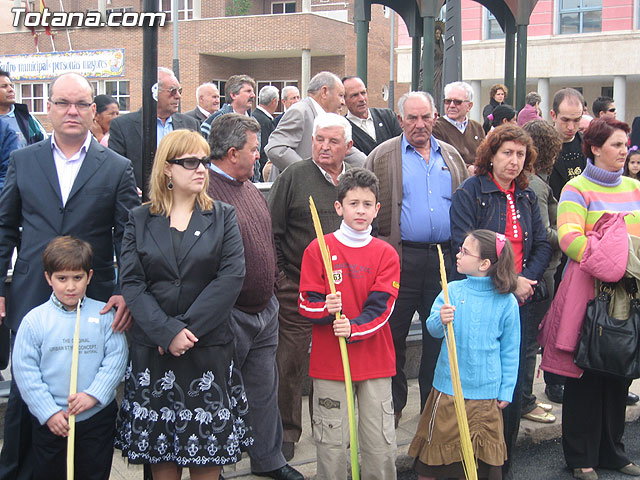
(66, 185)
(208, 98)
(268, 99)
(371, 126)
(126, 130)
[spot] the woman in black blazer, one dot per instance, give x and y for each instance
(182, 267)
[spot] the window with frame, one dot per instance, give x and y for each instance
(493, 28)
(119, 89)
(283, 7)
(580, 16)
(185, 8)
(35, 96)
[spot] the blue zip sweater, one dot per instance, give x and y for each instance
(42, 358)
(487, 330)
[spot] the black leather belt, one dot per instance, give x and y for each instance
(426, 245)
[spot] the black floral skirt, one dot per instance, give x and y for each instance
(191, 410)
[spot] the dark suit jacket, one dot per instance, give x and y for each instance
(195, 290)
(96, 211)
(266, 127)
(126, 137)
(386, 124)
(197, 114)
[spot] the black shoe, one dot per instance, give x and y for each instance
(555, 393)
(288, 450)
(632, 398)
(283, 473)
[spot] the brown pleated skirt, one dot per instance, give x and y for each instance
(436, 445)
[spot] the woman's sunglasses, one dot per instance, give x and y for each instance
(191, 163)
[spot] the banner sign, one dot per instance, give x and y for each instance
(46, 66)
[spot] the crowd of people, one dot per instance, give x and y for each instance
(218, 293)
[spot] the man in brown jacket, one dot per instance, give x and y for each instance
(418, 174)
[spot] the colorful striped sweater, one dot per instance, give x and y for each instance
(585, 198)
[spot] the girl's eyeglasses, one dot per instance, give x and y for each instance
(191, 163)
(465, 253)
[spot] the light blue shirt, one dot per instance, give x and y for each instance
(461, 126)
(162, 130)
(10, 118)
(217, 169)
(426, 195)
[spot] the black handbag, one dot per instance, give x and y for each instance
(606, 344)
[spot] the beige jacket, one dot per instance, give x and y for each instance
(386, 162)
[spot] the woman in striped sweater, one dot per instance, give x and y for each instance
(601, 399)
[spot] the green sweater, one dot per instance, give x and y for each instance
(290, 215)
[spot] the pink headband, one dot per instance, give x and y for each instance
(500, 241)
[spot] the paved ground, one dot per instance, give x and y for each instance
(529, 456)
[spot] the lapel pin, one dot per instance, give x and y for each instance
(380, 124)
(334, 257)
(197, 233)
(476, 137)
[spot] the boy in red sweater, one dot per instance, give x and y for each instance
(366, 272)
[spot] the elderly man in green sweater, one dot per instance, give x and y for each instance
(293, 231)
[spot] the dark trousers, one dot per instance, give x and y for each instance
(419, 286)
(294, 338)
(512, 413)
(256, 343)
(593, 415)
(16, 459)
(93, 448)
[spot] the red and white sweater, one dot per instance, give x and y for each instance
(367, 272)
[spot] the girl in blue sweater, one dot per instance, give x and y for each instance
(486, 323)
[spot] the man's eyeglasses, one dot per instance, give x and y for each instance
(173, 91)
(456, 102)
(465, 253)
(191, 163)
(64, 105)
(611, 110)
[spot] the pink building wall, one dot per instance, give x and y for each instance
(617, 15)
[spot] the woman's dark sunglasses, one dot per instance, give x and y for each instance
(191, 163)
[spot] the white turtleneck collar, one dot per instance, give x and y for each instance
(353, 238)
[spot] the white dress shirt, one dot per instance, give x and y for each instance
(365, 124)
(68, 168)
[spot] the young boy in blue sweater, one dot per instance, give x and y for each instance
(42, 368)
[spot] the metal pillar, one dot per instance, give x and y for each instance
(415, 62)
(521, 67)
(620, 95)
(392, 61)
(428, 29)
(362, 49)
(149, 106)
(509, 57)
(452, 71)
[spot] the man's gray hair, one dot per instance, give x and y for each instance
(166, 71)
(230, 131)
(235, 83)
(323, 79)
(289, 89)
(267, 94)
(463, 85)
(327, 120)
(427, 96)
(532, 98)
(206, 84)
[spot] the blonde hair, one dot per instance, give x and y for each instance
(173, 145)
